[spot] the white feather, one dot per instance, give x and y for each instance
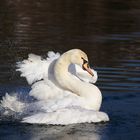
(35, 68)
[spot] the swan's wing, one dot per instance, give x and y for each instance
(35, 68)
(83, 75)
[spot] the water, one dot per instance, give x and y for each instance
(107, 31)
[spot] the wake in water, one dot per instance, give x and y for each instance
(49, 102)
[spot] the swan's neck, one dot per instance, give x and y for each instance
(66, 80)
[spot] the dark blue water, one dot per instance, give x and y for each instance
(108, 31)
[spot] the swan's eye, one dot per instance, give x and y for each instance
(85, 64)
(84, 61)
(86, 67)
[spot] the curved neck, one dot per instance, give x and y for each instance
(65, 79)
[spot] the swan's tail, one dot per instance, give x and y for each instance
(12, 103)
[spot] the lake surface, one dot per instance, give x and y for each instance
(109, 32)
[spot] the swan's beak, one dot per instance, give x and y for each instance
(87, 68)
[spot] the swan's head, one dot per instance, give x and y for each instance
(80, 58)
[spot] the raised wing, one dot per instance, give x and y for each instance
(35, 68)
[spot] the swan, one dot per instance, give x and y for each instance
(63, 88)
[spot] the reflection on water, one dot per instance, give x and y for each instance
(108, 31)
(70, 132)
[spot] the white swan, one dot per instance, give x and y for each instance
(62, 89)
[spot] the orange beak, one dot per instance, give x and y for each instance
(87, 68)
